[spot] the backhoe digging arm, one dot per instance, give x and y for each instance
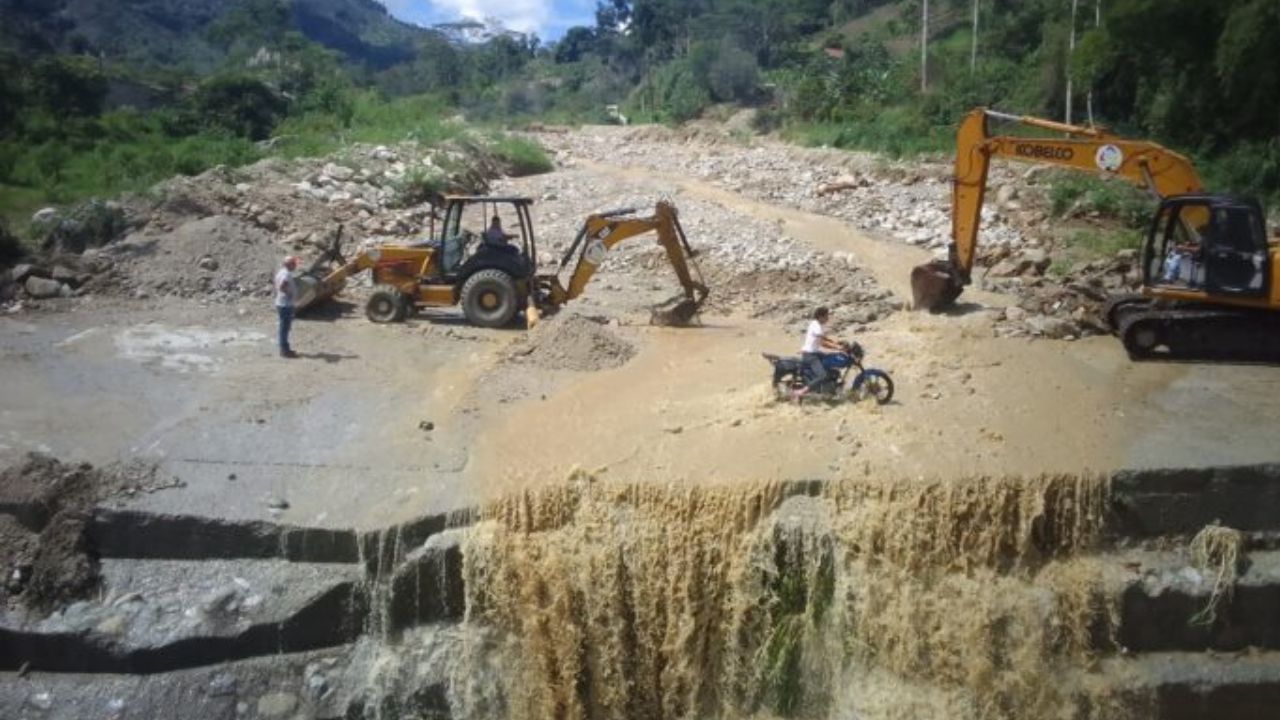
(602, 232)
(1145, 164)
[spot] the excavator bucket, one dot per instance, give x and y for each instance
(934, 285)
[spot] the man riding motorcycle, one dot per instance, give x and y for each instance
(815, 341)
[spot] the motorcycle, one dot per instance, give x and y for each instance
(790, 374)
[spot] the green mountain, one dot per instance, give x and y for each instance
(197, 35)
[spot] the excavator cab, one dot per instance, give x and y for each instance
(1215, 244)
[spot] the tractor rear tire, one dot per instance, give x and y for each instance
(386, 305)
(489, 299)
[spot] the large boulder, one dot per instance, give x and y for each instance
(44, 288)
(91, 224)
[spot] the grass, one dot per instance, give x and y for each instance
(897, 132)
(521, 156)
(1086, 194)
(128, 152)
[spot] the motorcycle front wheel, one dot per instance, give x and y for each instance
(874, 384)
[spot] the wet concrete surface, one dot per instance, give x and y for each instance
(331, 439)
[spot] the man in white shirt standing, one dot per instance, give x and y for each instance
(815, 341)
(286, 291)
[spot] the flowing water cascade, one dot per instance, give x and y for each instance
(850, 599)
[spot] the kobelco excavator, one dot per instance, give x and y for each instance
(493, 276)
(1211, 278)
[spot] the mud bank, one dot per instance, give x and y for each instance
(988, 597)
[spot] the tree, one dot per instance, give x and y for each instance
(576, 43)
(239, 104)
(68, 86)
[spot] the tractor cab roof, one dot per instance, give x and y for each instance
(478, 199)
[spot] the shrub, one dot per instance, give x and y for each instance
(420, 185)
(521, 156)
(11, 249)
(239, 104)
(1109, 198)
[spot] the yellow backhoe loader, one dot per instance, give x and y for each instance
(1211, 278)
(493, 277)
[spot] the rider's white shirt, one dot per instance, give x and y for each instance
(813, 337)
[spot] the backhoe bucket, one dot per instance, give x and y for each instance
(682, 314)
(934, 285)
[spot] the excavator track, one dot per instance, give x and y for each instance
(1152, 330)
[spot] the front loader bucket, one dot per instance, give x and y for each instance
(312, 291)
(934, 286)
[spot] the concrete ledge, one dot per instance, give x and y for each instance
(1196, 686)
(133, 534)
(1157, 608)
(158, 616)
(1150, 503)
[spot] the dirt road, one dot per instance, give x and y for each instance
(339, 437)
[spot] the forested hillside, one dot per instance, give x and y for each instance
(1202, 76)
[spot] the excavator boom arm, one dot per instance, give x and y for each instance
(1161, 171)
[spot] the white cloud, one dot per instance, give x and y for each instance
(547, 18)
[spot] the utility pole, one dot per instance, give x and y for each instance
(973, 49)
(924, 47)
(1071, 51)
(1097, 23)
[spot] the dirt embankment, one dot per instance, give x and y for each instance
(44, 508)
(218, 236)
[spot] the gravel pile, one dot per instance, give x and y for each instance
(572, 342)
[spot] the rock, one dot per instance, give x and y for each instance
(1037, 258)
(1051, 327)
(317, 687)
(40, 701)
(1006, 194)
(674, 429)
(219, 600)
(1034, 174)
(207, 263)
(20, 273)
(277, 705)
(222, 684)
(70, 277)
(42, 288)
(113, 626)
(339, 172)
(426, 425)
(44, 216)
(1006, 269)
(1014, 313)
(277, 503)
(1127, 255)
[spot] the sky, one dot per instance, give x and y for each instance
(548, 18)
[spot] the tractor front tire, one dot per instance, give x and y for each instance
(489, 299)
(386, 305)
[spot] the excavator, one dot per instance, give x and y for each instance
(1211, 278)
(493, 279)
